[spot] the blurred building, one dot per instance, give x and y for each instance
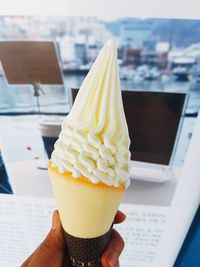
(88, 35)
(67, 51)
(81, 53)
(155, 53)
(90, 28)
(132, 56)
(133, 33)
(92, 52)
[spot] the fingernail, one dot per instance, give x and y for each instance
(112, 258)
(54, 220)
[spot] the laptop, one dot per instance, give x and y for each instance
(154, 121)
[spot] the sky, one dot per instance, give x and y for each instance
(104, 9)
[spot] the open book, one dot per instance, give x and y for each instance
(25, 221)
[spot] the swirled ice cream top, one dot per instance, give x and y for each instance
(94, 140)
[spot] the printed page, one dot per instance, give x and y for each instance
(13, 242)
(142, 232)
(25, 221)
(37, 216)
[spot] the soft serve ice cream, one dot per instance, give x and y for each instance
(94, 140)
(89, 166)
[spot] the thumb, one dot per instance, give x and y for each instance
(51, 250)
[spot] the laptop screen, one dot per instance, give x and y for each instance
(153, 119)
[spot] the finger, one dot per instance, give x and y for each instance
(27, 261)
(113, 251)
(25, 264)
(119, 217)
(117, 264)
(50, 251)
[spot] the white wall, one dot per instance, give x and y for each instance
(107, 9)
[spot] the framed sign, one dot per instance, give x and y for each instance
(27, 62)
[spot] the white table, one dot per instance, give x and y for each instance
(27, 178)
(20, 139)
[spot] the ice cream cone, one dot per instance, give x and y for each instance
(87, 212)
(89, 165)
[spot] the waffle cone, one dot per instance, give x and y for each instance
(87, 251)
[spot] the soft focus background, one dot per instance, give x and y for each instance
(153, 54)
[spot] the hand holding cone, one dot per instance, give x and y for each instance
(51, 251)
